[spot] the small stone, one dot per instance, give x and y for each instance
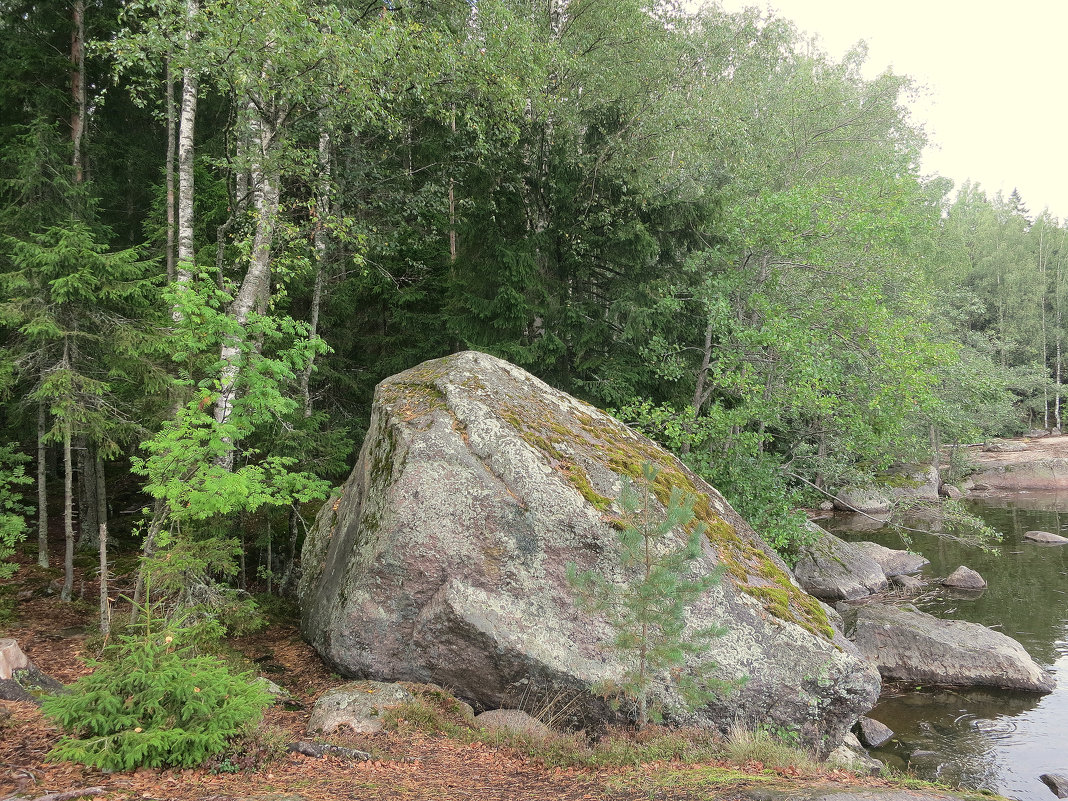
(1047, 537)
(951, 492)
(358, 706)
(964, 578)
(1057, 782)
(872, 733)
(826, 506)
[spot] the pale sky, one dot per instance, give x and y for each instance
(996, 110)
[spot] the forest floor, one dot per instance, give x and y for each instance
(409, 765)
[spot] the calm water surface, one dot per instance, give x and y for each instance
(997, 741)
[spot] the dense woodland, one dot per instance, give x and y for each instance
(222, 222)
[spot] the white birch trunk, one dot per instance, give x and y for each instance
(186, 124)
(255, 286)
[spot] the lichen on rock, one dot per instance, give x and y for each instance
(444, 560)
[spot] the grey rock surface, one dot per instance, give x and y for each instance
(513, 720)
(1057, 782)
(444, 560)
(1047, 537)
(862, 499)
(893, 562)
(909, 645)
(357, 706)
(20, 678)
(871, 732)
(850, 755)
(964, 578)
(832, 569)
(908, 583)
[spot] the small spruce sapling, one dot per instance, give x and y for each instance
(153, 702)
(12, 522)
(647, 609)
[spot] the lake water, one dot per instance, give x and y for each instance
(998, 741)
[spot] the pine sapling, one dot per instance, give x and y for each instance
(647, 609)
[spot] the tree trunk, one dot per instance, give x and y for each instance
(699, 391)
(77, 88)
(68, 514)
(255, 286)
(186, 123)
(42, 485)
(88, 525)
(102, 516)
(323, 213)
(171, 123)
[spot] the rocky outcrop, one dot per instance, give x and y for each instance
(20, 679)
(893, 562)
(444, 559)
(909, 645)
(832, 569)
(358, 706)
(964, 578)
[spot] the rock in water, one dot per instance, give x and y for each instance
(964, 578)
(835, 570)
(872, 733)
(893, 562)
(444, 560)
(1047, 537)
(909, 645)
(1057, 782)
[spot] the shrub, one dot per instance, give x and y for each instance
(153, 702)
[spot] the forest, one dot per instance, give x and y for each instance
(223, 222)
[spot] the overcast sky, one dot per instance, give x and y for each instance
(996, 75)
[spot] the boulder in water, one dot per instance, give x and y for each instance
(909, 645)
(832, 569)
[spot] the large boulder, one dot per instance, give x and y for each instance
(445, 559)
(832, 569)
(909, 645)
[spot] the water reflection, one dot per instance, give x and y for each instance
(982, 739)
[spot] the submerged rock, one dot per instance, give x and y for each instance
(909, 645)
(893, 562)
(964, 578)
(1047, 537)
(445, 557)
(832, 569)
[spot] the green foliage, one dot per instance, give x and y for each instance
(647, 609)
(153, 702)
(12, 510)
